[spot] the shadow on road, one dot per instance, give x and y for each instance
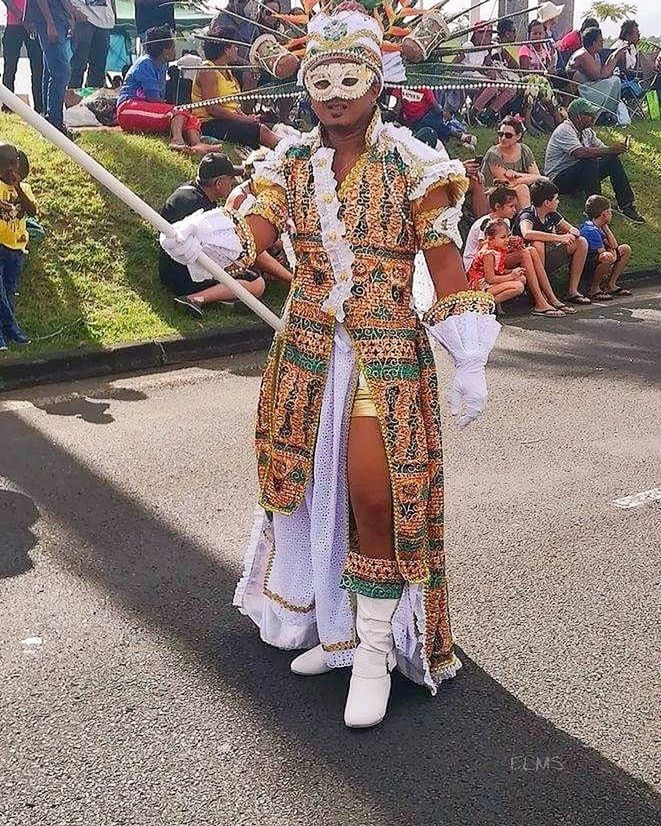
(473, 755)
(18, 514)
(89, 407)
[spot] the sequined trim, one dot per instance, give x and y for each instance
(379, 578)
(247, 241)
(296, 609)
(457, 303)
(375, 570)
(348, 645)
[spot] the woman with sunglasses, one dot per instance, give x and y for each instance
(511, 162)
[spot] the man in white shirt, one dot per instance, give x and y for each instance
(90, 42)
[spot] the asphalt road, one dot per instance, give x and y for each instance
(132, 693)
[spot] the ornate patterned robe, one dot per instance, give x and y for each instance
(355, 246)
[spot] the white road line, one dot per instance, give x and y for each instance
(645, 497)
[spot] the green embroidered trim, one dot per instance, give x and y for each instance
(376, 590)
(300, 359)
(436, 579)
(391, 372)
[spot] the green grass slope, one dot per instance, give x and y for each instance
(93, 281)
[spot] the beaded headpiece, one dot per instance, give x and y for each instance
(346, 33)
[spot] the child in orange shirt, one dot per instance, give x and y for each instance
(489, 273)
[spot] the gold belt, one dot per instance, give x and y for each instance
(363, 404)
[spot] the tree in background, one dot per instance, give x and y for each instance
(613, 12)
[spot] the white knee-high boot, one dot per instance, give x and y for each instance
(373, 661)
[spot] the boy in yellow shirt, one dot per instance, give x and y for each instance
(16, 204)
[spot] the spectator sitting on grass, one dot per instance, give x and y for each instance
(489, 271)
(141, 105)
(577, 161)
(215, 178)
(420, 109)
(606, 258)
(214, 79)
(16, 204)
(502, 207)
(511, 162)
(557, 242)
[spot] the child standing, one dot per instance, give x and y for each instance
(489, 271)
(606, 258)
(16, 204)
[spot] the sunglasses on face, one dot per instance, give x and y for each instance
(505, 134)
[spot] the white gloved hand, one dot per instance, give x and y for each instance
(185, 250)
(468, 338)
(468, 392)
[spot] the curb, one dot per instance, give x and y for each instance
(163, 352)
(133, 357)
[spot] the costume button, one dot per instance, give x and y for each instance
(322, 162)
(332, 236)
(328, 198)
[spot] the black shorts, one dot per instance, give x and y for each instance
(176, 278)
(591, 263)
(245, 132)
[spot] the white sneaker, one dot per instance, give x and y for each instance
(310, 663)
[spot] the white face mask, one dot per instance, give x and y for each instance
(348, 81)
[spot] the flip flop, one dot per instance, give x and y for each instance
(552, 312)
(566, 309)
(577, 298)
(600, 297)
(619, 291)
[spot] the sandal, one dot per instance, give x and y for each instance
(619, 291)
(577, 298)
(552, 312)
(566, 309)
(600, 296)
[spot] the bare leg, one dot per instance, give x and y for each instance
(522, 258)
(219, 292)
(620, 266)
(369, 488)
(505, 291)
(522, 195)
(577, 265)
(501, 100)
(601, 272)
(482, 100)
(479, 200)
(177, 131)
(543, 279)
(271, 266)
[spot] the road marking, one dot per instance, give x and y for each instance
(645, 497)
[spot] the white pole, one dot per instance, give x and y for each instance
(132, 201)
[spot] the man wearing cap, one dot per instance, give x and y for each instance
(577, 161)
(216, 176)
(346, 558)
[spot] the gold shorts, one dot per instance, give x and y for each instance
(362, 403)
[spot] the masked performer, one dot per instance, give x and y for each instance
(346, 559)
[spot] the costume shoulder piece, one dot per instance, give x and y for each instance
(426, 167)
(272, 167)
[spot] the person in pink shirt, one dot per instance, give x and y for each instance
(17, 35)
